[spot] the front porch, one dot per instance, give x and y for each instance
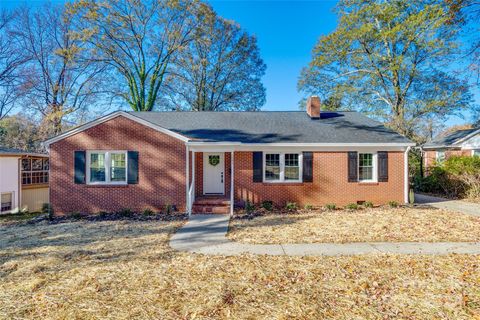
(210, 182)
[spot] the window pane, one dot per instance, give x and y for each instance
(37, 164)
(117, 170)
(366, 173)
(97, 167)
(292, 169)
(272, 166)
(272, 159)
(291, 160)
(365, 166)
(292, 173)
(26, 177)
(272, 173)
(46, 164)
(6, 202)
(26, 165)
(476, 153)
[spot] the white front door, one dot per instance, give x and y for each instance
(213, 173)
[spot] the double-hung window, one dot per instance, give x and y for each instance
(367, 167)
(107, 167)
(282, 167)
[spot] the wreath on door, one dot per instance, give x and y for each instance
(214, 160)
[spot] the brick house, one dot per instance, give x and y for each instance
(458, 143)
(209, 161)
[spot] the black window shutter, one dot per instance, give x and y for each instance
(79, 165)
(352, 166)
(308, 167)
(132, 171)
(382, 166)
(257, 166)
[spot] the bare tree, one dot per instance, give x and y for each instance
(139, 39)
(11, 60)
(221, 69)
(59, 79)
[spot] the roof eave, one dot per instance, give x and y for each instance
(108, 117)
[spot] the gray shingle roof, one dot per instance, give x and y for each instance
(450, 139)
(13, 151)
(274, 127)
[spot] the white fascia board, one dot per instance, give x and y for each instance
(464, 139)
(235, 146)
(108, 117)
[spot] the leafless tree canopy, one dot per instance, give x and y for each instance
(220, 69)
(11, 60)
(59, 79)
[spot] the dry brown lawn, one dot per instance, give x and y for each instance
(126, 270)
(376, 225)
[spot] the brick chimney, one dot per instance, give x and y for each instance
(313, 107)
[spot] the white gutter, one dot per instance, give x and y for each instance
(406, 175)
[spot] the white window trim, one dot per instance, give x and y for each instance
(437, 156)
(108, 165)
(13, 205)
(374, 168)
(282, 167)
(473, 152)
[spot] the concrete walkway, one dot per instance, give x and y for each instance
(453, 205)
(206, 234)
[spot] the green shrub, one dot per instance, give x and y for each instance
(47, 208)
(457, 176)
(148, 212)
(308, 207)
(249, 207)
(102, 214)
(330, 206)
(291, 206)
(126, 212)
(351, 206)
(267, 205)
(169, 208)
(393, 204)
(368, 204)
(75, 215)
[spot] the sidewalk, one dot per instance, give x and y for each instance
(206, 234)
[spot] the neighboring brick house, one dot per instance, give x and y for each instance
(140, 160)
(458, 143)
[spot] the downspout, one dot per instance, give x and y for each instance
(406, 177)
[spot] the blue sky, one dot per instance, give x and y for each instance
(286, 31)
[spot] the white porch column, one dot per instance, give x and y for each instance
(193, 178)
(406, 177)
(232, 175)
(187, 184)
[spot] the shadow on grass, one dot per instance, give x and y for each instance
(85, 242)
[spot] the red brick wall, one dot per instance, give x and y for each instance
(330, 183)
(161, 169)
